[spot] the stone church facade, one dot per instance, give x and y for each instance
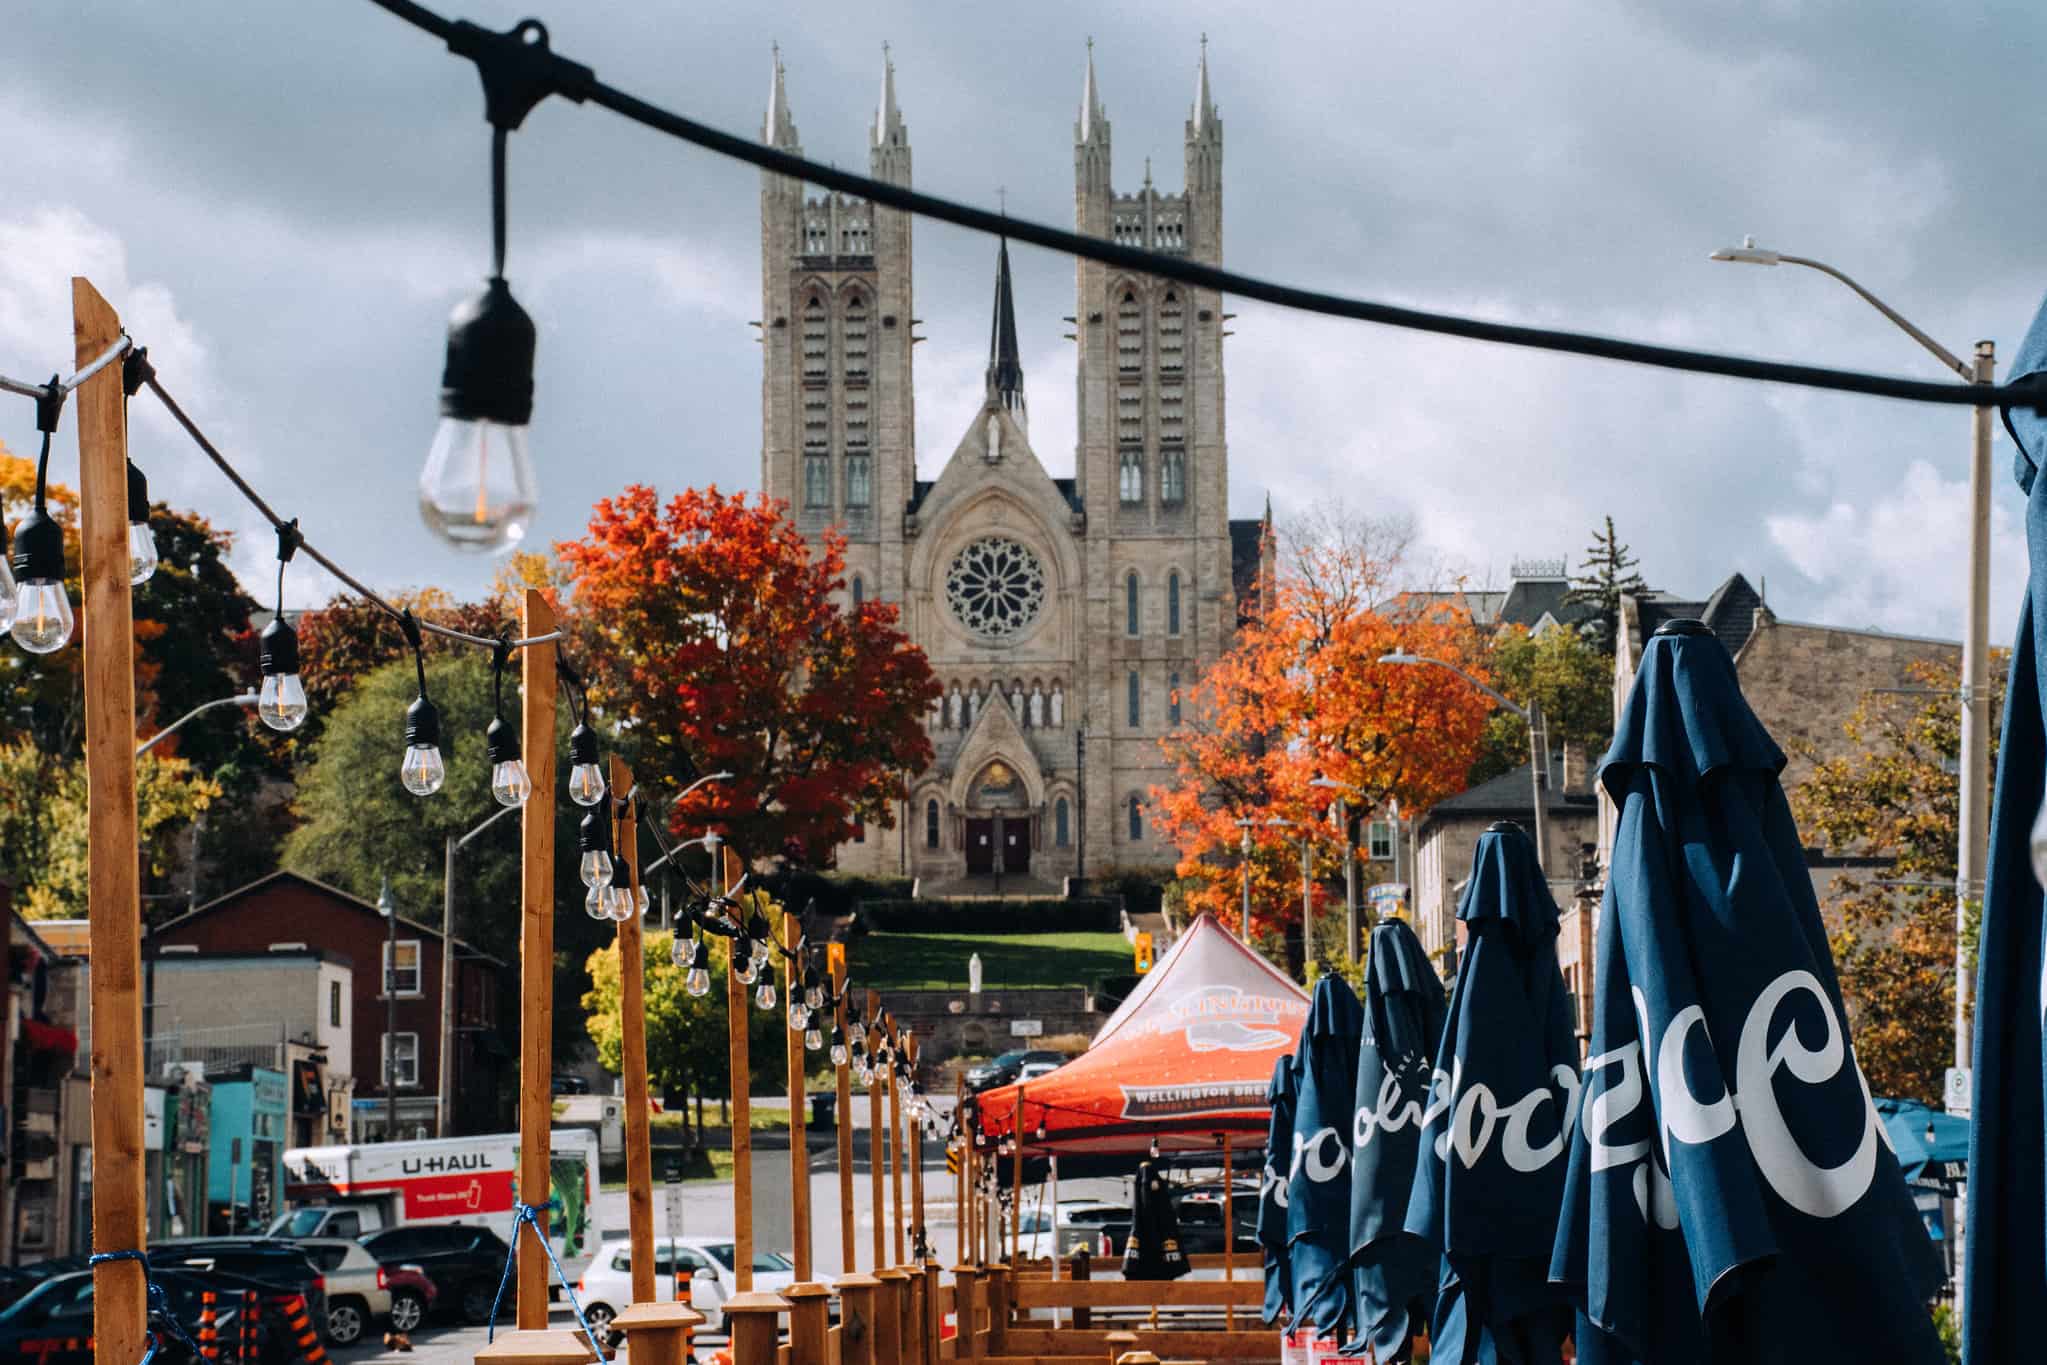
(1064, 617)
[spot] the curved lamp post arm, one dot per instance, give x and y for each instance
(1496, 695)
(240, 699)
(1748, 253)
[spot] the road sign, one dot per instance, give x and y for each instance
(952, 1159)
(1387, 898)
(672, 1209)
(835, 956)
(1142, 946)
(1026, 1028)
(1958, 1090)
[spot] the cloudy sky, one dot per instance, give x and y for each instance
(285, 201)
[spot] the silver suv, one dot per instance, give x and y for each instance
(358, 1294)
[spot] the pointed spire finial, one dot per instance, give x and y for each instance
(1091, 112)
(888, 119)
(780, 128)
(1005, 367)
(1204, 102)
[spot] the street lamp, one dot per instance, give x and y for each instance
(1307, 893)
(240, 699)
(1350, 859)
(1247, 824)
(1538, 743)
(1973, 817)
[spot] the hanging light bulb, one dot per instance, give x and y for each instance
(742, 961)
(594, 905)
(593, 838)
(478, 491)
(698, 982)
(586, 778)
(799, 1016)
(142, 557)
(509, 784)
(764, 994)
(281, 703)
(42, 620)
(422, 772)
(813, 992)
(641, 900)
(838, 1045)
(813, 1037)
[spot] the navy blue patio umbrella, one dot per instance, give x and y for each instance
(1394, 1272)
(1489, 1183)
(1318, 1182)
(1272, 1232)
(1730, 1196)
(2005, 1270)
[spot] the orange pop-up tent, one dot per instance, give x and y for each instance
(1187, 1056)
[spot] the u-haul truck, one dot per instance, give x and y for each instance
(443, 1180)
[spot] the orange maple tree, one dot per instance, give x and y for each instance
(1302, 695)
(720, 638)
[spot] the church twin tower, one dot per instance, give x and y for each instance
(1065, 617)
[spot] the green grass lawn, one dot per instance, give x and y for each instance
(938, 961)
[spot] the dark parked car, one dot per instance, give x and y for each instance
(1004, 1069)
(1201, 1224)
(17, 1280)
(52, 1323)
(262, 1260)
(464, 1262)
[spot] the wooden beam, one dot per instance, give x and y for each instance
(1016, 1175)
(536, 947)
(1035, 1293)
(120, 1311)
(799, 1149)
(963, 1172)
(895, 1145)
(737, 1002)
(632, 973)
(916, 1156)
(1229, 1227)
(877, 1144)
(847, 1240)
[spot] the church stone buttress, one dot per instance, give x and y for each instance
(1062, 616)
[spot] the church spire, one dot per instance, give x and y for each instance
(1005, 369)
(779, 129)
(1093, 118)
(888, 119)
(1204, 103)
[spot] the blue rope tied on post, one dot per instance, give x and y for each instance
(159, 1304)
(528, 1216)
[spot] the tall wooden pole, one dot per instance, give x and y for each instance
(963, 1172)
(877, 1140)
(632, 1000)
(120, 1310)
(799, 1150)
(895, 1146)
(1016, 1179)
(1229, 1229)
(536, 948)
(737, 1002)
(916, 1156)
(847, 1240)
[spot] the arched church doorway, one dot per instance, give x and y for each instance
(1000, 826)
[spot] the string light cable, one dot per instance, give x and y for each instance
(519, 70)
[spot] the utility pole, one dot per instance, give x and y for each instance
(446, 1086)
(389, 910)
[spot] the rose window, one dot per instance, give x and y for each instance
(995, 587)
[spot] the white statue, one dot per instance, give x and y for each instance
(1037, 712)
(1058, 706)
(952, 708)
(973, 704)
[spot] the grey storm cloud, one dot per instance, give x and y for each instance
(295, 195)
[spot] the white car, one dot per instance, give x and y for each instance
(607, 1286)
(1032, 1070)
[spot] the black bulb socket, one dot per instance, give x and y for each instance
(582, 746)
(488, 376)
(838, 1036)
(501, 743)
(278, 648)
(138, 494)
(39, 548)
(593, 833)
(422, 725)
(757, 926)
(700, 955)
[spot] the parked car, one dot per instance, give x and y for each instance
(327, 1220)
(1032, 1070)
(358, 1287)
(52, 1323)
(412, 1296)
(281, 1265)
(465, 1262)
(1201, 1223)
(17, 1280)
(607, 1286)
(1004, 1068)
(1100, 1227)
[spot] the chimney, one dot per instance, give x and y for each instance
(1577, 775)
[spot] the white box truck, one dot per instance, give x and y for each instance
(352, 1189)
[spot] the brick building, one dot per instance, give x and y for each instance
(295, 916)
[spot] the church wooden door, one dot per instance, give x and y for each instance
(980, 848)
(1016, 847)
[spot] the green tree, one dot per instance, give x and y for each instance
(1609, 574)
(1562, 671)
(687, 1039)
(359, 826)
(1893, 930)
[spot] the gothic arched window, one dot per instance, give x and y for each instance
(1131, 700)
(1062, 831)
(859, 592)
(1136, 822)
(931, 824)
(1130, 605)
(1173, 699)
(1173, 476)
(859, 481)
(1173, 603)
(1131, 476)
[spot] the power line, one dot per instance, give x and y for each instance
(552, 74)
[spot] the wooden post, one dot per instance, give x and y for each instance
(847, 1240)
(929, 1273)
(877, 1144)
(888, 1315)
(998, 1309)
(632, 971)
(738, 1000)
(536, 949)
(856, 1319)
(658, 1333)
(566, 1346)
(895, 1146)
(120, 1311)
(1083, 1269)
(1229, 1231)
(967, 1342)
(752, 1318)
(963, 1171)
(918, 1246)
(799, 1151)
(809, 1320)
